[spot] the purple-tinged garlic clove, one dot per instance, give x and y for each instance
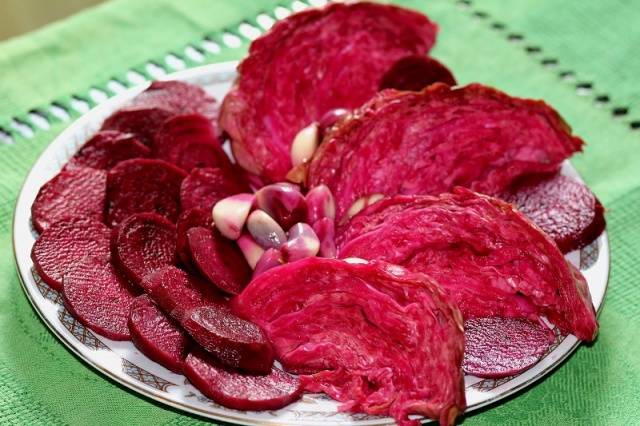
(330, 118)
(320, 204)
(265, 231)
(283, 202)
(303, 242)
(304, 144)
(251, 250)
(230, 214)
(325, 230)
(269, 259)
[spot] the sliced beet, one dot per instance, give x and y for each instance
(79, 192)
(415, 73)
(98, 297)
(146, 113)
(143, 243)
(143, 185)
(218, 259)
(156, 335)
(107, 148)
(564, 208)
(190, 141)
(64, 244)
(139, 120)
(235, 342)
(499, 347)
(176, 292)
(238, 390)
(205, 187)
(187, 220)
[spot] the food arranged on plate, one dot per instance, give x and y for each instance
(378, 233)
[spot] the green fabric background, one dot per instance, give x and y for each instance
(587, 41)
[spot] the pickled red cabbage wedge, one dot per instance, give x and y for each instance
(490, 258)
(374, 336)
(311, 63)
(431, 141)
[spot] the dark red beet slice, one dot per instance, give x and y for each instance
(205, 187)
(71, 193)
(143, 243)
(65, 243)
(499, 347)
(235, 342)
(187, 220)
(564, 208)
(107, 148)
(415, 73)
(176, 292)
(156, 335)
(144, 115)
(238, 390)
(138, 120)
(190, 141)
(218, 259)
(143, 185)
(98, 297)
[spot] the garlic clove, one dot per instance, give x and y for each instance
(304, 144)
(265, 230)
(230, 214)
(251, 250)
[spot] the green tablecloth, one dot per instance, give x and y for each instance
(581, 56)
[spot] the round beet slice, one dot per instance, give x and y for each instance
(416, 72)
(564, 208)
(156, 335)
(499, 347)
(238, 390)
(98, 297)
(205, 187)
(177, 292)
(235, 342)
(218, 259)
(138, 120)
(107, 148)
(190, 141)
(79, 192)
(143, 243)
(144, 115)
(64, 244)
(187, 220)
(143, 185)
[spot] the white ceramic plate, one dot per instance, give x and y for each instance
(124, 363)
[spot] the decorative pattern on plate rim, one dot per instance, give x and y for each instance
(46, 291)
(142, 375)
(589, 255)
(79, 331)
